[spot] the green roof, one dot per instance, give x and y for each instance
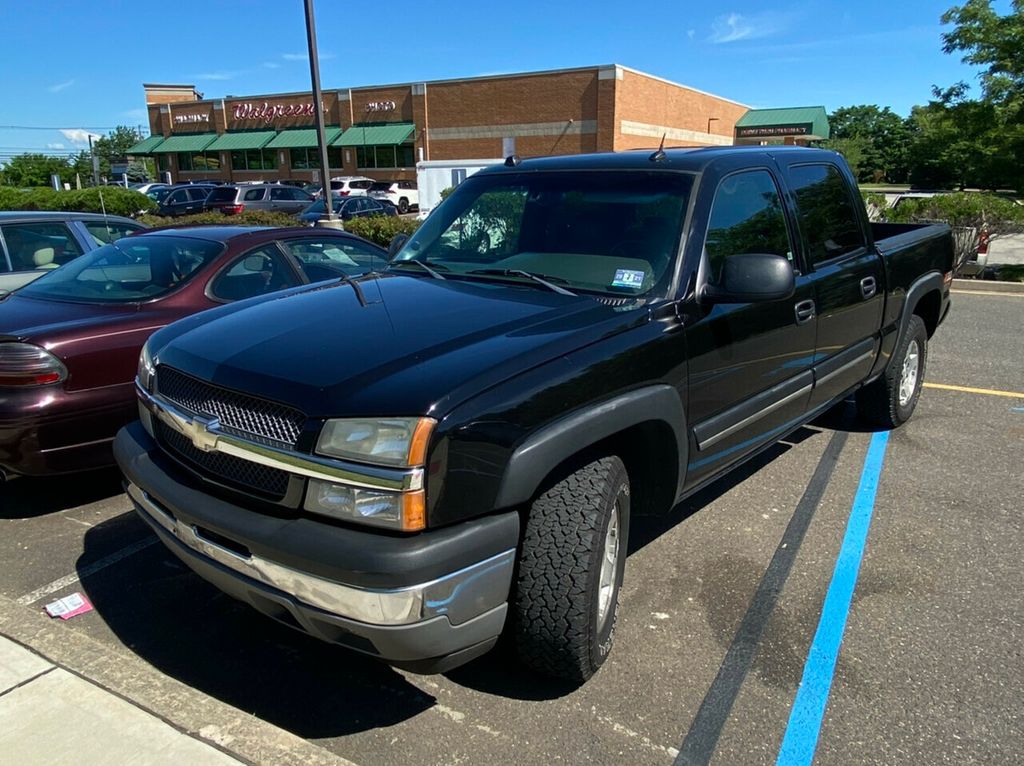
(812, 119)
(250, 139)
(195, 142)
(376, 135)
(301, 138)
(146, 146)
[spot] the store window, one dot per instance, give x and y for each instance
(163, 163)
(199, 161)
(254, 159)
(388, 156)
(309, 159)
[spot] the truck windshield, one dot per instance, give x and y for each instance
(129, 270)
(607, 232)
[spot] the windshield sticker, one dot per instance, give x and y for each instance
(628, 278)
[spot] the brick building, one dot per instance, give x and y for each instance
(382, 131)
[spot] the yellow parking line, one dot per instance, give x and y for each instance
(969, 390)
(988, 292)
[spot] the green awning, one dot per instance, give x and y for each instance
(195, 142)
(803, 121)
(376, 135)
(146, 146)
(301, 138)
(250, 139)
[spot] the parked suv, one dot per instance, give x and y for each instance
(401, 194)
(187, 199)
(276, 197)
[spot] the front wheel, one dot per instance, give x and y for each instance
(570, 571)
(890, 401)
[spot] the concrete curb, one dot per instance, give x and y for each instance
(987, 286)
(190, 711)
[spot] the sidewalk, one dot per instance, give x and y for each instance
(51, 716)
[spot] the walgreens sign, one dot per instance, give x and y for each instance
(271, 113)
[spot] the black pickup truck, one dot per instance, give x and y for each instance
(411, 462)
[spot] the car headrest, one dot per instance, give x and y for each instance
(43, 258)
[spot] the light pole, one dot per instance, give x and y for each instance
(314, 74)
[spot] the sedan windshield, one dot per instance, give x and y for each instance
(129, 270)
(616, 232)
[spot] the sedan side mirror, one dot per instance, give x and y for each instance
(397, 242)
(752, 278)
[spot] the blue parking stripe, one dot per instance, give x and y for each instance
(804, 725)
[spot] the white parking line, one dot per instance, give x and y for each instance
(96, 566)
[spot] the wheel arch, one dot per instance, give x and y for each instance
(646, 428)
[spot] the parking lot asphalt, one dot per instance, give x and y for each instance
(720, 607)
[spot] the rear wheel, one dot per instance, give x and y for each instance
(890, 401)
(570, 571)
(403, 205)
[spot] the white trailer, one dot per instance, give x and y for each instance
(433, 176)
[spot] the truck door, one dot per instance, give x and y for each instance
(749, 363)
(847, 273)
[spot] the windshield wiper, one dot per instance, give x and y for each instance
(541, 279)
(431, 271)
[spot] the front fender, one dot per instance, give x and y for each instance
(558, 441)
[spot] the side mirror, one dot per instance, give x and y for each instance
(752, 278)
(397, 242)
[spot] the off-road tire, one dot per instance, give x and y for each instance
(555, 609)
(879, 402)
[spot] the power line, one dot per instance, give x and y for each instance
(65, 127)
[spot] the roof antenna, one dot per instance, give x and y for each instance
(512, 160)
(659, 155)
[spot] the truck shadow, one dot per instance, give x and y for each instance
(30, 497)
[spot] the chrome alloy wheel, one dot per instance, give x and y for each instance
(908, 377)
(609, 568)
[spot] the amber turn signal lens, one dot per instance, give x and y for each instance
(420, 440)
(414, 511)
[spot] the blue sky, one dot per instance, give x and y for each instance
(79, 67)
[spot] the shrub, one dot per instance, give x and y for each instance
(967, 213)
(381, 229)
(245, 218)
(110, 199)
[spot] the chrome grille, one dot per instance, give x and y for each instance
(243, 474)
(244, 415)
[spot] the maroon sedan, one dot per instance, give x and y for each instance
(70, 341)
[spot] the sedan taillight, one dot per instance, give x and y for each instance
(22, 364)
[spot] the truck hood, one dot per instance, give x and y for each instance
(417, 347)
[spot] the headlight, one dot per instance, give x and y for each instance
(146, 368)
(380, 441)
(405, 511)
(22, 364)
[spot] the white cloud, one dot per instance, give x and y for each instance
(691, 33)
(271, 65)
(61, 86)
(78, 136)
(733, 27)
(55, 146)
(216, 75)
(305, 56)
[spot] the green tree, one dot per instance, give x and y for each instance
(994, 156)
(874, 140)
(34, 170)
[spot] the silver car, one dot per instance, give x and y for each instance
(33, 243)
(280, 198)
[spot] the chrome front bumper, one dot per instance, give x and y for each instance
(460, 596)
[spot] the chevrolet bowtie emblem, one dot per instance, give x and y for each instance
(202, 433)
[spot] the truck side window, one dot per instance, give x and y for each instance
(746, 217)
(825, 212)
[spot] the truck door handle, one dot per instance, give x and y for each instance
(804, 311)
(868, 287)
